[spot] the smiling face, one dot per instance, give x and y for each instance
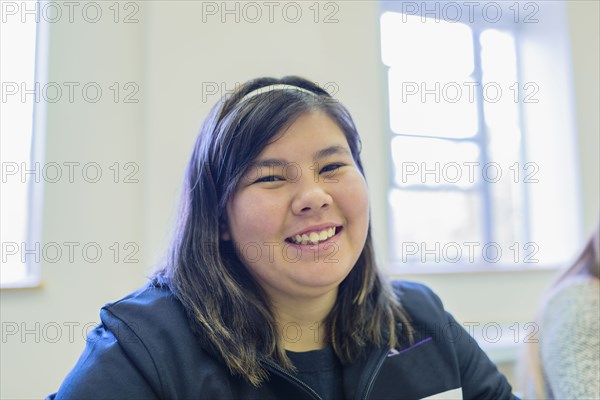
(299, 217)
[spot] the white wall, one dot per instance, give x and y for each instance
(170, 53)
(102, 213)
(585, 31)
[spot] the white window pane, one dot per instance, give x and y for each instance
(498, 55)
(508, 205)
(435, 162)
(424, 98)
(17, 63)
(502, 92)
(501, 113)
(432, 107)
(411, 44)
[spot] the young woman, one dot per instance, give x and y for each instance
(565, 362)
(271, 290)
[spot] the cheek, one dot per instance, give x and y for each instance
(252, 217)
(353, 197)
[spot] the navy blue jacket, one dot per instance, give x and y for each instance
(145, 349)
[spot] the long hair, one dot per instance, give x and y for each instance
(225, 305)
(586, 264)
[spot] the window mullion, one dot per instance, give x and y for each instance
(482, 138)
(525, 225)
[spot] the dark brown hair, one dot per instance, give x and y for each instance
(225, 305)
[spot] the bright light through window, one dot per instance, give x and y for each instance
(462, 189)
(18, 66)
(414, 51)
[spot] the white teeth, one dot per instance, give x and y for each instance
(305, 238)
(313, 237)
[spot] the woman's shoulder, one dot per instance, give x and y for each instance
(575, 293)
(150, 297)
(569, 337)
(573, 299)
(414, 292)
(148, 313)
(419, 301)
(585, 283)
(144, 348)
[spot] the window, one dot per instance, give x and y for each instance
(471, 104)
(22, 58)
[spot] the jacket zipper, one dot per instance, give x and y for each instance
(371, 381)
(282, 372)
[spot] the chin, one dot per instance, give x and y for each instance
(323, 279)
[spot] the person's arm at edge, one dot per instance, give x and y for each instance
(104, 371)
(569, 342)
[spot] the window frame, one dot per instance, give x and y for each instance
(35, 190)
(396, 265)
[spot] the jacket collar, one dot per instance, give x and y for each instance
(360, 376)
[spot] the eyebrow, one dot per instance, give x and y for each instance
(330, 151)
(323, 153)
(268, 162)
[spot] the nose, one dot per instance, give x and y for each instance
(311, 199)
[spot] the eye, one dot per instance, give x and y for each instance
(331, 167)
(270, 178)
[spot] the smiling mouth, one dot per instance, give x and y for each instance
(314, 237)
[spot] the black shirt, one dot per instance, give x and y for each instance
(321, 370)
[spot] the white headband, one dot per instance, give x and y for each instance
(271, 88)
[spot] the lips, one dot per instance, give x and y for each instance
(314, 236)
